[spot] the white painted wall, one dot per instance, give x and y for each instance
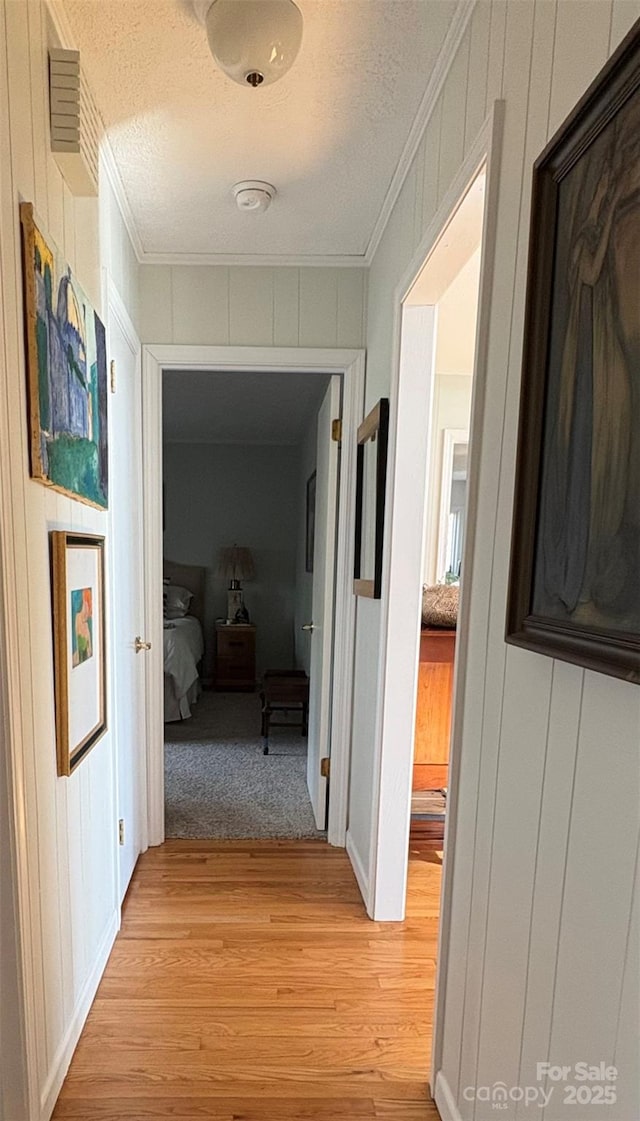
(451, 409)
(457, 316)
(68, 825)
(303, 610)
(219, 495)
(455, 347)
(246, 306)
(544, 946)
(12, 1068)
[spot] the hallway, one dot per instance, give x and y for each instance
(247, 982)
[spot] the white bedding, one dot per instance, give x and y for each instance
(183, 649)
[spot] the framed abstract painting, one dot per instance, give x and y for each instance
(77, 567)
(66, 373)
(575, 560)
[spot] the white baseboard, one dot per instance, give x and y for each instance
(358, 869)
(444, 1100)
(64, 1054)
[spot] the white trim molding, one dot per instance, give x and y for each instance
(116, 311)
(108, 165)
(445, 1100)
(286, 260)
(359, 870)
(393, 754)
(295, 360)
(452, 41)
(64, 1054)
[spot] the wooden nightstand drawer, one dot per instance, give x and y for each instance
(235, 656)
(233, 645)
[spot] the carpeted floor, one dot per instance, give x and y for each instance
(219, 784)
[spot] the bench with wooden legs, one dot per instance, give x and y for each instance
(284, 691)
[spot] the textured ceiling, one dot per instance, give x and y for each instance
(207, 407)
(328, 135)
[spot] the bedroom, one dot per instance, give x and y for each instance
(239, 463)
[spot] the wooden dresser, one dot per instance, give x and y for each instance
(235, 656)
(433, 713)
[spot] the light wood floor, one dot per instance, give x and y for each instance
(247, 984)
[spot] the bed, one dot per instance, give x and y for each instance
(183, 644)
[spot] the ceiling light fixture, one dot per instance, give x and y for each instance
(254, 42)
(253, 194)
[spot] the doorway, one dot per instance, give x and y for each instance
(411, 408)
(250, 473)
(449, 283)
(334, 712)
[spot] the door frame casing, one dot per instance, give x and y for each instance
(350, 363)
(116, 312)
(397, 690)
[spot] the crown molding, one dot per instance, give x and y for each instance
(108, 164)
(110, 168)
(452, 41)
(292, 260)
(453, 38)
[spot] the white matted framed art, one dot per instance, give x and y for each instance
(77, 570)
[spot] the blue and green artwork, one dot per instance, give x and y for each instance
(67, 367)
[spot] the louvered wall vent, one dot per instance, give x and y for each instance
(75, 124)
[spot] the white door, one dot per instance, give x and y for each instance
(127, 591)
(323, 600)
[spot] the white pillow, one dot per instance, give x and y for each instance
(176, 601)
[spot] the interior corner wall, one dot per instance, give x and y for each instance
(308, 454)
(69, 823)
(218, 495)
(543, 946)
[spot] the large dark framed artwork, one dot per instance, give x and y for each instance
(575, 560)
(66, 373)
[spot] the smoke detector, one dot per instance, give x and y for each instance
(254, 195)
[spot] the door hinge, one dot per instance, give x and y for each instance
(121, 831)
(112, 376)
(336, 430)
(325, 767)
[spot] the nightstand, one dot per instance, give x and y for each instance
(235, 656)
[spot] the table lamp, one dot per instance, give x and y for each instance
(235, 564)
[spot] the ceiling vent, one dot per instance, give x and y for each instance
(75, 124)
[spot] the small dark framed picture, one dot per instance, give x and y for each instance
(77, 573)
(575, 560)
(371, 485)
(311, 522)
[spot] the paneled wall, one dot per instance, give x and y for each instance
(544, 943)
(69, 825)
(247, 306)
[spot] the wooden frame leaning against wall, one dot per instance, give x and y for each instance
(242, 359)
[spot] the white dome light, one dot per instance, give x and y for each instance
(254, 42)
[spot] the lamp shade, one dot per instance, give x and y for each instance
(254, 42)
(235, 562)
